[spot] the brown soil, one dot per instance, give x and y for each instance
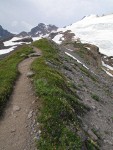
(18, 126)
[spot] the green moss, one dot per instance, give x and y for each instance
(9, 73)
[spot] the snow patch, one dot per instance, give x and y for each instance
(58, 38)
(77, 60)
(69, 49)
(5, 51)
(36, 38)
(108, 73)
(107, 66)
(40, 37)
(88, 48)
(12, 43)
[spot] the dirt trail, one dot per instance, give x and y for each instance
(18, 127)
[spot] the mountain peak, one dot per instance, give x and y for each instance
(42, 29)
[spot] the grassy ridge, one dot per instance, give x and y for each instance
(9, 73)
(60, 105)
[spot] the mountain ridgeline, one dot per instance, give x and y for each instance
(39, 30)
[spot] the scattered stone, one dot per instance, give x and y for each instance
(97, 128)
(31, 133)
(108, 142)
(35, 54)
(39, 131)
(33, 102)
(34, 131)
(37, 137)
(93, 107)
(22, 55)
(93, 136)
(26, 126)
(15, 116)
(99, 110)
(88, 100)
(13, 130)
(30, 74)
(85, 127)
(30, 114)
(16, 108)
(38, 124)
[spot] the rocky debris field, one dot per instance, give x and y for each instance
(95, 89)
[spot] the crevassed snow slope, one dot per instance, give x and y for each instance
(95, 30)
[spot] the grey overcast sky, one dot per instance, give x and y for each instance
(19, 15)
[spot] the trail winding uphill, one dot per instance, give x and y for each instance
(18, 126)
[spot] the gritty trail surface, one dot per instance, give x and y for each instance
(18, 127)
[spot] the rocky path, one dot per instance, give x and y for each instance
(18, 127)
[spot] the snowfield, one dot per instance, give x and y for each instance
(5, 51)
(12, 44)
(94, 30)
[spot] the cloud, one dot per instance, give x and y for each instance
(25, 14)
(26, 25)
(14, 23)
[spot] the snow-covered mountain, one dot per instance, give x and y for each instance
(91, 29)
(36, 33)
(42, 30)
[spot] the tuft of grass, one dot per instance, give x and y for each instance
(88, 74)
(91, 145)
(95, 97)
(60, 105)
(9, 73)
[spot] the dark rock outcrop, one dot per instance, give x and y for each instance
(28, 39)
(4, 33)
